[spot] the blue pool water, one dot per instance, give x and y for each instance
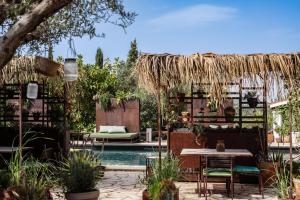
(126, 155)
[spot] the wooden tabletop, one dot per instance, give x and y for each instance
(214, 152)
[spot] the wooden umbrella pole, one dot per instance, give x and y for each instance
(20, 124)
(159, 119)
(291, 144)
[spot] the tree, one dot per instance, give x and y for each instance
(132, 54)
(33, 24)
(129, 82)
(99, 58)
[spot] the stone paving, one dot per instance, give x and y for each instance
(121, 185)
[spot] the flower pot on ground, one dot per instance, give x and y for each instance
(270, 137)
(161, 182)
(79, 174)
(252, 99)
(229, 113)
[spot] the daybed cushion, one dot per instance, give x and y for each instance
(112, 129)
(218, 172)
(245, 169)
(114, 136)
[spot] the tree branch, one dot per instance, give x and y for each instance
(27, 24)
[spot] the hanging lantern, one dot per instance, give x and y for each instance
(32, 90)
(70, 69)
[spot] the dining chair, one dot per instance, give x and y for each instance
(250, 171)
(219, 167)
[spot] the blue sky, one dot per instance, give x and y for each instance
(189, 26)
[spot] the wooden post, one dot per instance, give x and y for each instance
(291, 143)
(20, 124)
(159, 118)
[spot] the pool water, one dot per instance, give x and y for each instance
(126, 155)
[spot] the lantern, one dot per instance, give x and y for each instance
(70, 69)
(32, 90)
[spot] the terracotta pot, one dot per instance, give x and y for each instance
(185, 116)
(146, 195)
(268, 172)
(297, 187)
(93, 195)
(270, 137)
(286, 139)
(252, 102)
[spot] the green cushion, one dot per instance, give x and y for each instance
(246, 169)
(220, 172)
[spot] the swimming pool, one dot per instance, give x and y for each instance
(126, 155)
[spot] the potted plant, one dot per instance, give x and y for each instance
(212, 105)
(229, 113)
(79, 174)
(252, 98)
(180, 96)
(9, 111)
(161, 182)
(36, 115)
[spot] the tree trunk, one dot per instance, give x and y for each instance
(25, 25)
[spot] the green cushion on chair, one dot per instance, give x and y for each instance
(246, 169)
(220, 172)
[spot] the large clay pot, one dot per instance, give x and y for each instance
(297, 187)
(93, 195)
(268, 172)
(270, 137)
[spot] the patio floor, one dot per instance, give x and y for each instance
(121, 185)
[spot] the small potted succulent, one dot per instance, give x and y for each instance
(36, 115)
(79, 175)
(252, 98)
(229, 113)
(213, 107)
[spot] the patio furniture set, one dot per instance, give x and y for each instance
(220, 164)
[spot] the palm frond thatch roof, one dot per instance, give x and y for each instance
(29, 68)
(172, 70)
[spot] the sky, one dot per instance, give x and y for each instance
(190, 26)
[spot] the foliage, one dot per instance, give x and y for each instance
(92, 83)
(99, 58)
(282, 179)
(292, 107)
(197, 129)
(163, 179)
(148, 113)
(29, 176)
(80, 172)
(105, 102)
(77, 19)
(212, 105)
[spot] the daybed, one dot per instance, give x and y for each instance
(111, 133)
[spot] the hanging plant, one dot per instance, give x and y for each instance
(105, 102)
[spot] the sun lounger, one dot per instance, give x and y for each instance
(112, 133)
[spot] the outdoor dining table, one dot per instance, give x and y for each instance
(204, 152)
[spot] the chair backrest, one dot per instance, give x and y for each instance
(219, 162)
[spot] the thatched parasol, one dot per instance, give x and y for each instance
(29, 68)
(215, 70)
